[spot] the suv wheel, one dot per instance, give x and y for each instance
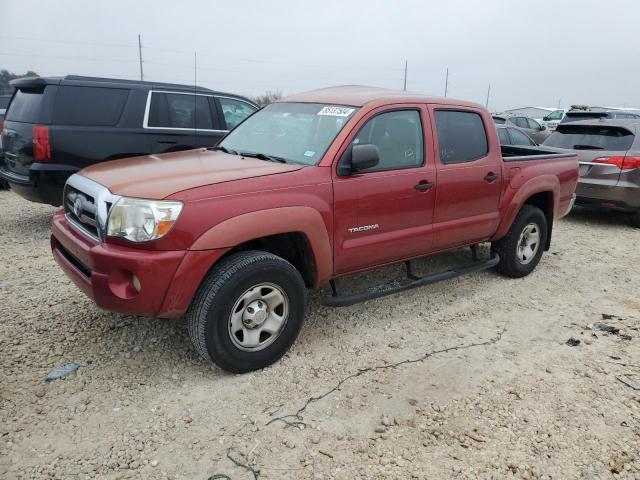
(521, 248)
(248, 311)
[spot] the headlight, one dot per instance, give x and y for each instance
(142, 220)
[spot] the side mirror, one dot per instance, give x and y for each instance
(542, 128)
(364, 156)
(546, 119)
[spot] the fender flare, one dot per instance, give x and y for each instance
(541, 184)
(273, 221)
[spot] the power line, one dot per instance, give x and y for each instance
(48, 40)
(58, 57)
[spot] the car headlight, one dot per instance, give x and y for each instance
(141, 220)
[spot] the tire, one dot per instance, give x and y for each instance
(529, 220)
(634, 219)
(240, 301)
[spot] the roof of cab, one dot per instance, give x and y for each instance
(360, 95)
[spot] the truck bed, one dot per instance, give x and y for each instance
(512, 153)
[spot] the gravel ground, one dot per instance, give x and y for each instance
(470, 378)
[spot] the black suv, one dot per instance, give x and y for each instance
(57, 126)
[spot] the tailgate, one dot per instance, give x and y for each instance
(599, 147)
(27, 109)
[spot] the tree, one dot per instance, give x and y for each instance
(6, 76)
(267, 98)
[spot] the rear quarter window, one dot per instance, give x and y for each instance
(89, 106)
(461, 136)
(586, 137)
(26, 106)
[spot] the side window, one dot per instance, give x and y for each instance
(520, 122)
(177, 110)
(533, 124)
(398, 136)
(520, 138)
(461, 136)
(503, 136)
(89, 106)
(235, 111)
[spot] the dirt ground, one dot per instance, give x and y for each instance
(469, 378)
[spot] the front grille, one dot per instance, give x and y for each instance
(81, 209)
(87, 205)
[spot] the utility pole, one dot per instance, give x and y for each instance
(446, 83)
(140, 57)
(405, 75)
(488, 93)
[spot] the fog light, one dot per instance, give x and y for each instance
(136, 283)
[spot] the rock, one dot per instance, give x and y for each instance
(573, 342)
(380, 429)
(40, 391)
(154, 463)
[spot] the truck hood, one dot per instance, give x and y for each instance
(158, 176)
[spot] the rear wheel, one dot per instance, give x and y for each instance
(521, 248)
(248, 311)
(634, 219)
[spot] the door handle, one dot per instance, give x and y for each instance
(490, 177)
(423, 186)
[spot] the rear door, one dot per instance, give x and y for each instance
(31, 106)
(181, 121)
(469, 177)
(601, 150)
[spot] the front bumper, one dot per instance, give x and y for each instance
(616, 197)
(105, 272)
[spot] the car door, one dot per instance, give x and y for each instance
(170, 121)
(536, 131)
(469, 177)
(384, 214)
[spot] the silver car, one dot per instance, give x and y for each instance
(609, 156)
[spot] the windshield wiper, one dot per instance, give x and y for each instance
(263, 156)
(586, 147)
(224, 149)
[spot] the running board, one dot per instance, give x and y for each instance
(387, 289)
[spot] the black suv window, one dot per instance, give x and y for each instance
(25, 106)
(178, 110)
(235, 111)
(89, 106)
(398, 136)
(587, 137)
(461, 136)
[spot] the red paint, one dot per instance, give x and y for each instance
(227, 204)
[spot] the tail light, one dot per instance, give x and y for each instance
(41, 144)
(623, 163)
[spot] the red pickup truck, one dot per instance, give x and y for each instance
(308, 189)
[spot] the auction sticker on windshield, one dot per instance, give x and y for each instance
(336, 111)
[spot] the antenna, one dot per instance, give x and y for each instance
(195, 98)
(140, 57)
(488, 94)
(405, 75)
(446, 83)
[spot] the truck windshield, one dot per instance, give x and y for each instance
(291, 132)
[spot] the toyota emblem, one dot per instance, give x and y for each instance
(77, 206)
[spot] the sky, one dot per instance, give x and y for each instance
(531, 53)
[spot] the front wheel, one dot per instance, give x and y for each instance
(521, 248)
(634, 219)
(248, 311)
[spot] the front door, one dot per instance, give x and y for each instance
(384, 214)
(469, 178)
